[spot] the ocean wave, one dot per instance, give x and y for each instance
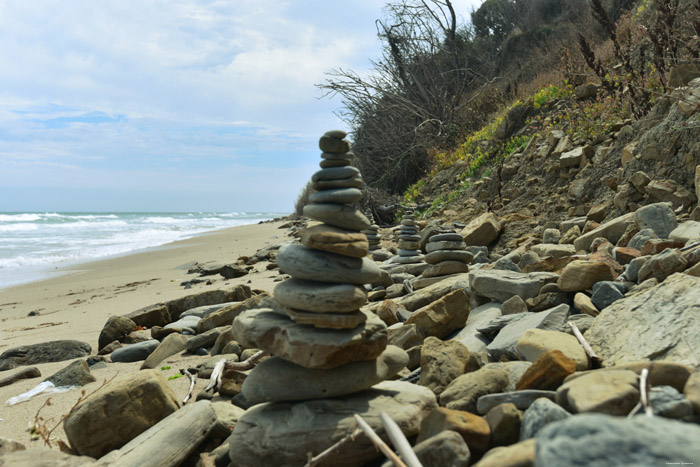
(22, 227)
(27, 217)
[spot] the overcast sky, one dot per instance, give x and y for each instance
(171, 105)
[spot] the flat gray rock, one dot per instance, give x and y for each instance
(521, 399)
(320, 296)
(657, 324)
(306, 263)
(275, 379)
(336, 195)
(438, 256)
(54, 351)
(602, 440)
(334, 173)
(501, 285)
(285, 433)
(506, 339)
(306, 345)
(470, 336)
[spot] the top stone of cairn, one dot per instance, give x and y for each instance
(333, 141)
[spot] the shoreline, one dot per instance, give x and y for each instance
(77, 304)
(48, 271)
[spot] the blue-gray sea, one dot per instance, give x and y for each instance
(33, 245)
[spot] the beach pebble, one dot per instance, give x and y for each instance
(134, 352)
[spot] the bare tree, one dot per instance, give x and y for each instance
(415, 96)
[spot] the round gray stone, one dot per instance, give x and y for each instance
(409, 237)
(337, 215)
(349, 182)
(448, 236)
(336, 195)
(276, 379)
(135, 352)
(306, 263)
(437, 256)
(326, 163)
(335, 173)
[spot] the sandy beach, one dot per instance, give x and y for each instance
(77, 303)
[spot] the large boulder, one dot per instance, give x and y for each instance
(656, 324)
(611, 230)
(604, 440)
(441, 362)
(443, 316)
(282, 433)
(482, 231)
(120, 411)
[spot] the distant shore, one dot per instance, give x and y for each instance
(76, 305)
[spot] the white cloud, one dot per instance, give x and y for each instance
(168, 88)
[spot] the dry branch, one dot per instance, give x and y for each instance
(399, 441)
(378, 442)
(595, 360)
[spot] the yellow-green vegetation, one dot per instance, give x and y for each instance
(479, 148)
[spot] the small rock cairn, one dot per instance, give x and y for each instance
(322, 344)
(372, 233)
(409, 240)
(446, 256)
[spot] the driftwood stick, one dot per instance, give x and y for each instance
(586, 346)
(246, 364)
(644, 392)
(315, 460)
(399, 441)
(377, 441)
(189, 393)
(215, 378)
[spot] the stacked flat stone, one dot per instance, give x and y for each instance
(322, 344)
(446, 255)
(372, 233)
(409, 240)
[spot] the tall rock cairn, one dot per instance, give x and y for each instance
(409, 240)
(446, 256)
(322, 344)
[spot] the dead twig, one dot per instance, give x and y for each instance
(246, 364)
(216, 374)
(643, 396)
(399, 441)
(595, 360)
(315, 460)
(378, 442)
(189, 393)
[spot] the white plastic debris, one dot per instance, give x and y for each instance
(41, 388)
